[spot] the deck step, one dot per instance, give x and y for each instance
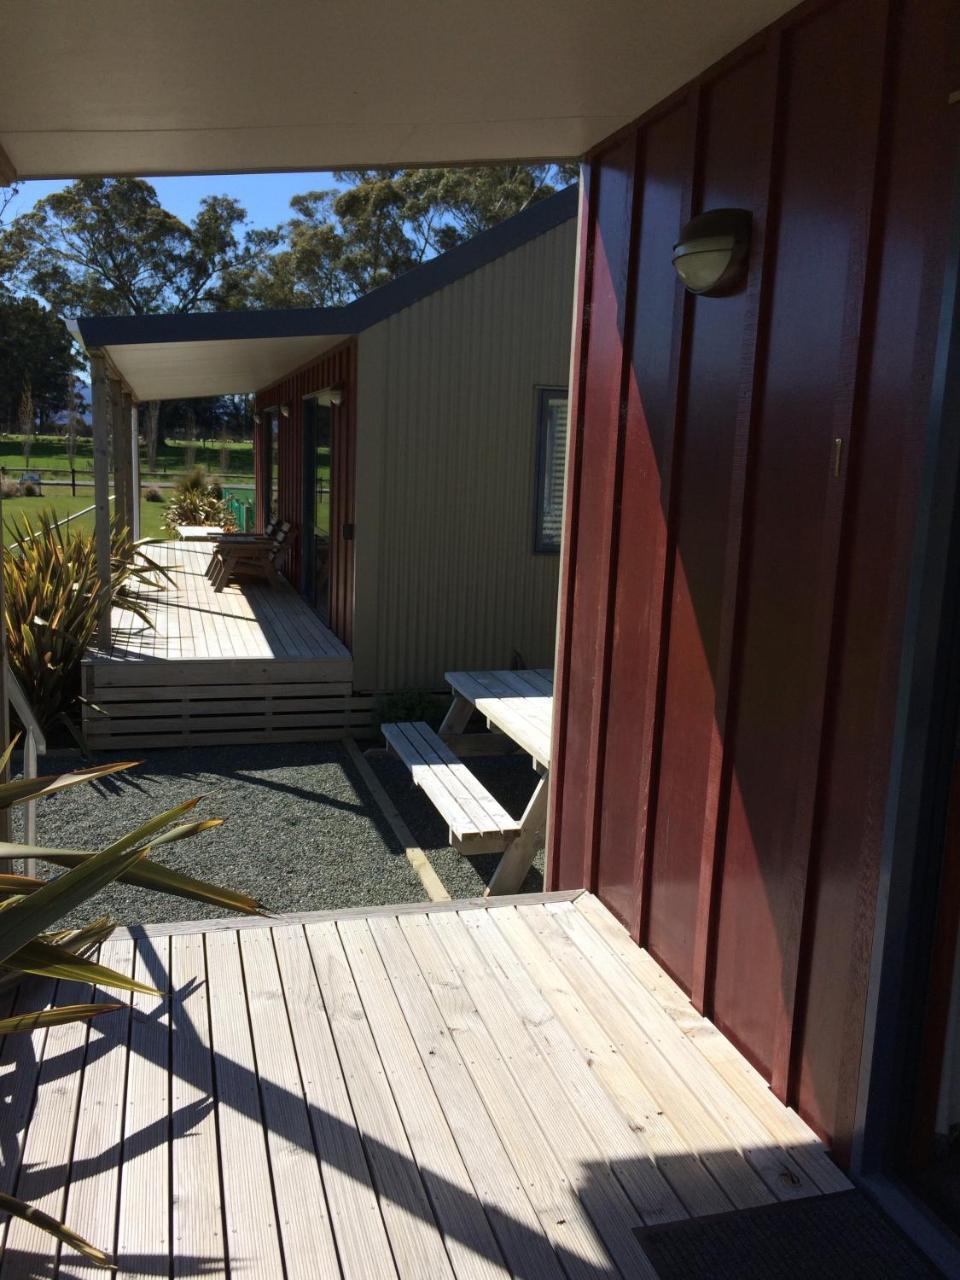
(477, 822)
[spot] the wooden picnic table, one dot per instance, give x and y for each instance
(519, 706)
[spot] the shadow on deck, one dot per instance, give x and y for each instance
(463, 1089)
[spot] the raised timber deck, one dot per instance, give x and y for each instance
(251, 663)
(464, 1089)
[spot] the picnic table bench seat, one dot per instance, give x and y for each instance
(477, 822)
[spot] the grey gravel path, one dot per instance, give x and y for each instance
(302, 834)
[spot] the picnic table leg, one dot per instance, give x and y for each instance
(458, 714)
(518, 858)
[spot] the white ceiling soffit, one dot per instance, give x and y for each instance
(215, 86)
(182, 370)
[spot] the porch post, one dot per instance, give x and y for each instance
(123, 444)
(101, 487)
(116, 447)
(133, 434)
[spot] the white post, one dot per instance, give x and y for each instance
(101, 487)
(30, 817)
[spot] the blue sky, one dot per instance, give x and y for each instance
(265, 196)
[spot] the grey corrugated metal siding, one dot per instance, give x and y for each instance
(446, 575)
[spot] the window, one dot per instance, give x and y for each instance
(551, 460)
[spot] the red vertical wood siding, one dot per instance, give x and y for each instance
(734, 158)
(335, 368)
(733, 595)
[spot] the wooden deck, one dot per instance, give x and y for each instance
(251, 663)
(461, 1090)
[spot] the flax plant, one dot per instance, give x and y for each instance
(52, 600)
(31, 905)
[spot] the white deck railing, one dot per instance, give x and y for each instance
(34, 745)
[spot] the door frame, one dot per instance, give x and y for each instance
(308, 501)
(896, 1041)
(267, 476)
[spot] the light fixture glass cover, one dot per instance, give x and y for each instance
(711, 255)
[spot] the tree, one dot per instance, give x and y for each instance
(7, 195)
(35, 351)
(106, 246)
(27, 419)
(339, 245)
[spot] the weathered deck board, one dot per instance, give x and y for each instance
(95, 1168)
(253, 1240)
(467, 1092)
(143, 1235)
(305, 1233)
(48, 1143)
(197, 1198)
(252, 663)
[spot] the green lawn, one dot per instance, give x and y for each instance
(50, 452)
(62, 503)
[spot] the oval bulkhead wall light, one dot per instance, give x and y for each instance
(284, 411)
(712, 253)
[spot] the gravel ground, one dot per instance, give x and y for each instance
(302, 833)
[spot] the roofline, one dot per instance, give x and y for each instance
(479, 251)
(412, 287)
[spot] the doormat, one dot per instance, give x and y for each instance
(843, 1235)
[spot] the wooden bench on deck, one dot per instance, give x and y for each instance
(477, 822)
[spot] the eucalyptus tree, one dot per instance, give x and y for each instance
(340, 243)
(107, 246)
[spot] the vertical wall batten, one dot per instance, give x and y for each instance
(717, 784)
(565, 868)
(855, 334)
(683, 313)
(609, 383)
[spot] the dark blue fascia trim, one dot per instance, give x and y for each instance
(415, 285)
(211, 326)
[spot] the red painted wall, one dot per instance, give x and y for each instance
(336, 368)
(734, 587)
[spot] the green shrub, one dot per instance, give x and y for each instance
(196, 506)
(193, 481)
(52, 598)
(31, 906)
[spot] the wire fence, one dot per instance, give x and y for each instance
(71, 477)
(61, 520)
